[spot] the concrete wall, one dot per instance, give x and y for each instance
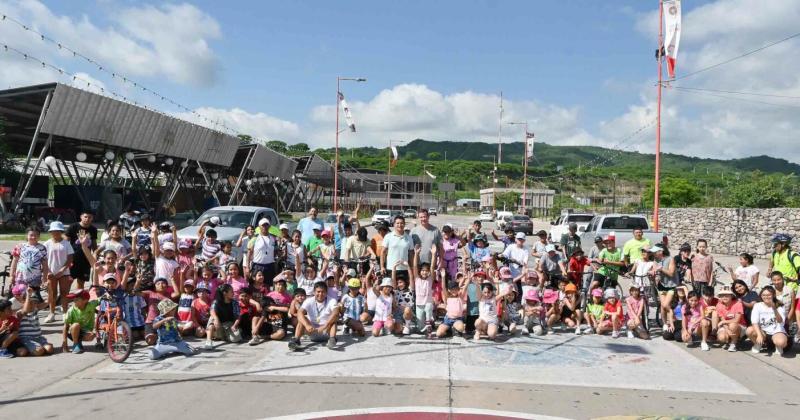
(730, 231)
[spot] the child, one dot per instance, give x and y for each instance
(209, 278)
(224, 256)
(404, 299)
(186, 254)
(384, 308)
(694, 322)
(145, 268)
(576, 266)
(280, 295)
(162, 291)
(635, 305)
(532, 312)
(594, 310)
(186, 325)
(487, 320)
(234, 278)
(473, 289)
(29, 263)
(298, 298)
(709, 302)
(59, 261)
(306, 279)
(250, 317)
(132, 307)
(454, 309)
(530, 282)
(552, 311)
(166, 264)
(224, 321)
(207, 242)
(612, 314)
(728, 319)
(423, 289)
(571, 314)
(354, 308)
(9, 332)
(258, 286)
(79, 322)
(169, 337)
(115, 242)
(675, 330)
(333, 287)
(511, 311)
(274, 319)
(767, 320)
(201, 308)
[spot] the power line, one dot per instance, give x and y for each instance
(772, 44)
(769, 95)
(733, 98)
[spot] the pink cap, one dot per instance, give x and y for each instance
(532, 295)
(505, 273)
(597, 292)
(326, 232)
(19, 289)
(550, 296)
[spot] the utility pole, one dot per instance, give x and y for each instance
(614, 196)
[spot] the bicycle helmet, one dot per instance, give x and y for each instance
(610, 293)
(781, 237)
(598, 239)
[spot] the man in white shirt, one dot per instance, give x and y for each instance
(317, 319)
(261, 253)
(518, 253)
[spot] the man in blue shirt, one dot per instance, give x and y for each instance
(306, 225)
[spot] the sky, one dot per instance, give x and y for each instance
(579, 72)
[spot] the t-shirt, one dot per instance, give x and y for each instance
(184, 313)
(709, 306)
(353, 306)
(694, 315)
(165, 267)
(306, 227)
(202, 310)
(454, 307)
(168, 332)
(682, 267)
(307, 284)
(29, 263)
(57, 254)
(426, 238)
(516, 253)
(729, 313)
(263, 249)
(610, 271)
(29, 325)
(84, 316)
(780, 262)
(702, 268)
(312, 243)
(73, 235)
(633, 305)
(450, 248)
(423, 288)
(764, 316)
(488, 309)
(383, 308)
(319, 312)
(641, 277)
(132, 310)
(238, 284)
(633, 249)
(210, 248)
(596, 309)
(291, 248)
(616, 307)
(473, 292)
(575, 269)
(404, 298)
(354, 249)
(398, 247)
(551, 265)
(746, 274)
(570, 243)
(11, 323)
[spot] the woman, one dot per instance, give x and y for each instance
(748, 298)
(450, 245)
(247, 234)
(767, 320)
(666, 274)
(746, 272)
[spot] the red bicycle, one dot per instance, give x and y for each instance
(113, 332)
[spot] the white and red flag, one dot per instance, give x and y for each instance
(348, 117)
(672, 21)
(395, 156)
(529, 143)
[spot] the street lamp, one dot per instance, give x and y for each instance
(524, 166)
(336, 162)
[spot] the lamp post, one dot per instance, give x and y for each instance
(336, 160)
(614, 196)
(524, 165)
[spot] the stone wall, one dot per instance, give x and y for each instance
(730, 231)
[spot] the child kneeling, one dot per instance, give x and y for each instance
(169, 337)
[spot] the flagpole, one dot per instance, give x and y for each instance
(525, 173)
(500, 132)
(389, 180)
(657, 185)
(336, 160)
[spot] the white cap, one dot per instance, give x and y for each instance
(655, 249)
(56, 227)
(214, 220)
(520, 235)
(283, 226)
(263, 221)
(550, 247)
(168, 246)
(317, 227)
(386, 282)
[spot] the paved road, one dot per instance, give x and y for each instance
(561, 375)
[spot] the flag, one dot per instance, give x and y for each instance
(348, 117)
(529, 143)
(672, 20)
(394, 157)
(430, 175)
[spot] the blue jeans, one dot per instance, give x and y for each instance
(160, 350)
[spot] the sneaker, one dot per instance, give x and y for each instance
(732, 348)
(426, 329)
(577, 330)
(346, 331)
(512, 328)
(779, 351)
(331, 343)
(725, 346)
(254, 341)
(477, 336)
(77, 349)
(630, 334)
(406, 330)
(615, 334)
(704, 346)
(756, 349)
(526, 331)
(208, 346)
(50, 318)
(294, 344)
(4, 354)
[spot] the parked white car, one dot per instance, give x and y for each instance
(381, 215)
(561, 225)
(486, 216)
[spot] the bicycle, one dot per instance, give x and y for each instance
(5, 274)
(114, 334)
(651, 299)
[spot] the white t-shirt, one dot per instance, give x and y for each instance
(519, 254)
(487, 310)
(307, 284)
(764, 316)
(263, 249)
(57, 253)
(319, 312)
(643, 269)
(746, 274)
(121, 247)
(398, 247)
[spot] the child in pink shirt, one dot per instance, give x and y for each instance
(635, 306)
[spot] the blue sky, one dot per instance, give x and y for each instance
(581, 71)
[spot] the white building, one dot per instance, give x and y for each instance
(538, 202)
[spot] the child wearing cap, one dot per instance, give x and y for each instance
(635, 308)
(551, 308)
(594, 310)
(728, 320)
(166, 264)
(29, 263)
(184, 312)
(354, 307)
(201, 308)
(59, 261)
(511, 309)
(612, 314)
(571, 313)
(79, 322)
(532, 313)
(384, 308)
(169, 337)
(9, 331)
(454, 309)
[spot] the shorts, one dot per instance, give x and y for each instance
(379, 325)
(493, 321)
(83, 334)
(566, 313)
(80, 271)
(33, 343)
(319, 338)
(226, 333)
(451, 321)
(664, 290)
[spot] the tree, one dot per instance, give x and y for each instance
(245, 138)
(674, 192)
(277, 145)
(507, 200)
(762, 192)
(298, 149)
(434, 156)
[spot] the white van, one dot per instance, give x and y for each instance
(502, 218)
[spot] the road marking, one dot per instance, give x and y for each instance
(417, 412)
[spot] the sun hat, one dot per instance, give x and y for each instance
(597, 292)
(354, 283)
(726, 290)
(570, 288)
(166, 305)
(188, 282)
(505, 273)
(532, 295)
(550, 248)
(19, 289)
(56, 226)
(352, 273)
(79, 293)
(610, 293)
(263, 221)
(168, 246)
(519, 235)
(386, 282)
(109, 276)
(283, 226)
(550, 296)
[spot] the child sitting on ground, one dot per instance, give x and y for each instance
(635, 306)
(455, 305)
(30, 333)
(79, 322)
(594, 310)
(552, 310)
(694, 322)
(297, 304)
(9, 331)
(186, 325)
(384, 308)
(533, 312)
(201, 308)
(487, 322)
(511, 311)
(353, 307)
(169, 338)
(571, 314)
(612, 314)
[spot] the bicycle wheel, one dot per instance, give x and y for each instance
(120, 342)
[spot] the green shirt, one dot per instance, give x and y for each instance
(84, 317)
(780, 262)
(312, 243)
(596, 310)
(608, 270)
(633, 249)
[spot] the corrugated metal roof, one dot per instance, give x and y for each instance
(272, 163)
(78, 114)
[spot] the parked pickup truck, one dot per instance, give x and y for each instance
(622, 225)
(232, 221)
(561, 225)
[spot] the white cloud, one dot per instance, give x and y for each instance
(258, 125)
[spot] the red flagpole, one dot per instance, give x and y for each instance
(336, 160)
(658, 115)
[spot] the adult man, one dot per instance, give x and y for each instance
(783, 259)
(518, 253)
(81, 267)
(397, 247)
(570, 241)
(429, 238)
(317, 318)
(632, 250)
(261, 252)
(306, 225)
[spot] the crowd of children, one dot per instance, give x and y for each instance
(171, 288)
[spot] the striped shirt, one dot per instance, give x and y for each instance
(132, 310)
(29, 325)
(185, 307)
(210, 250)
(353, 306)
